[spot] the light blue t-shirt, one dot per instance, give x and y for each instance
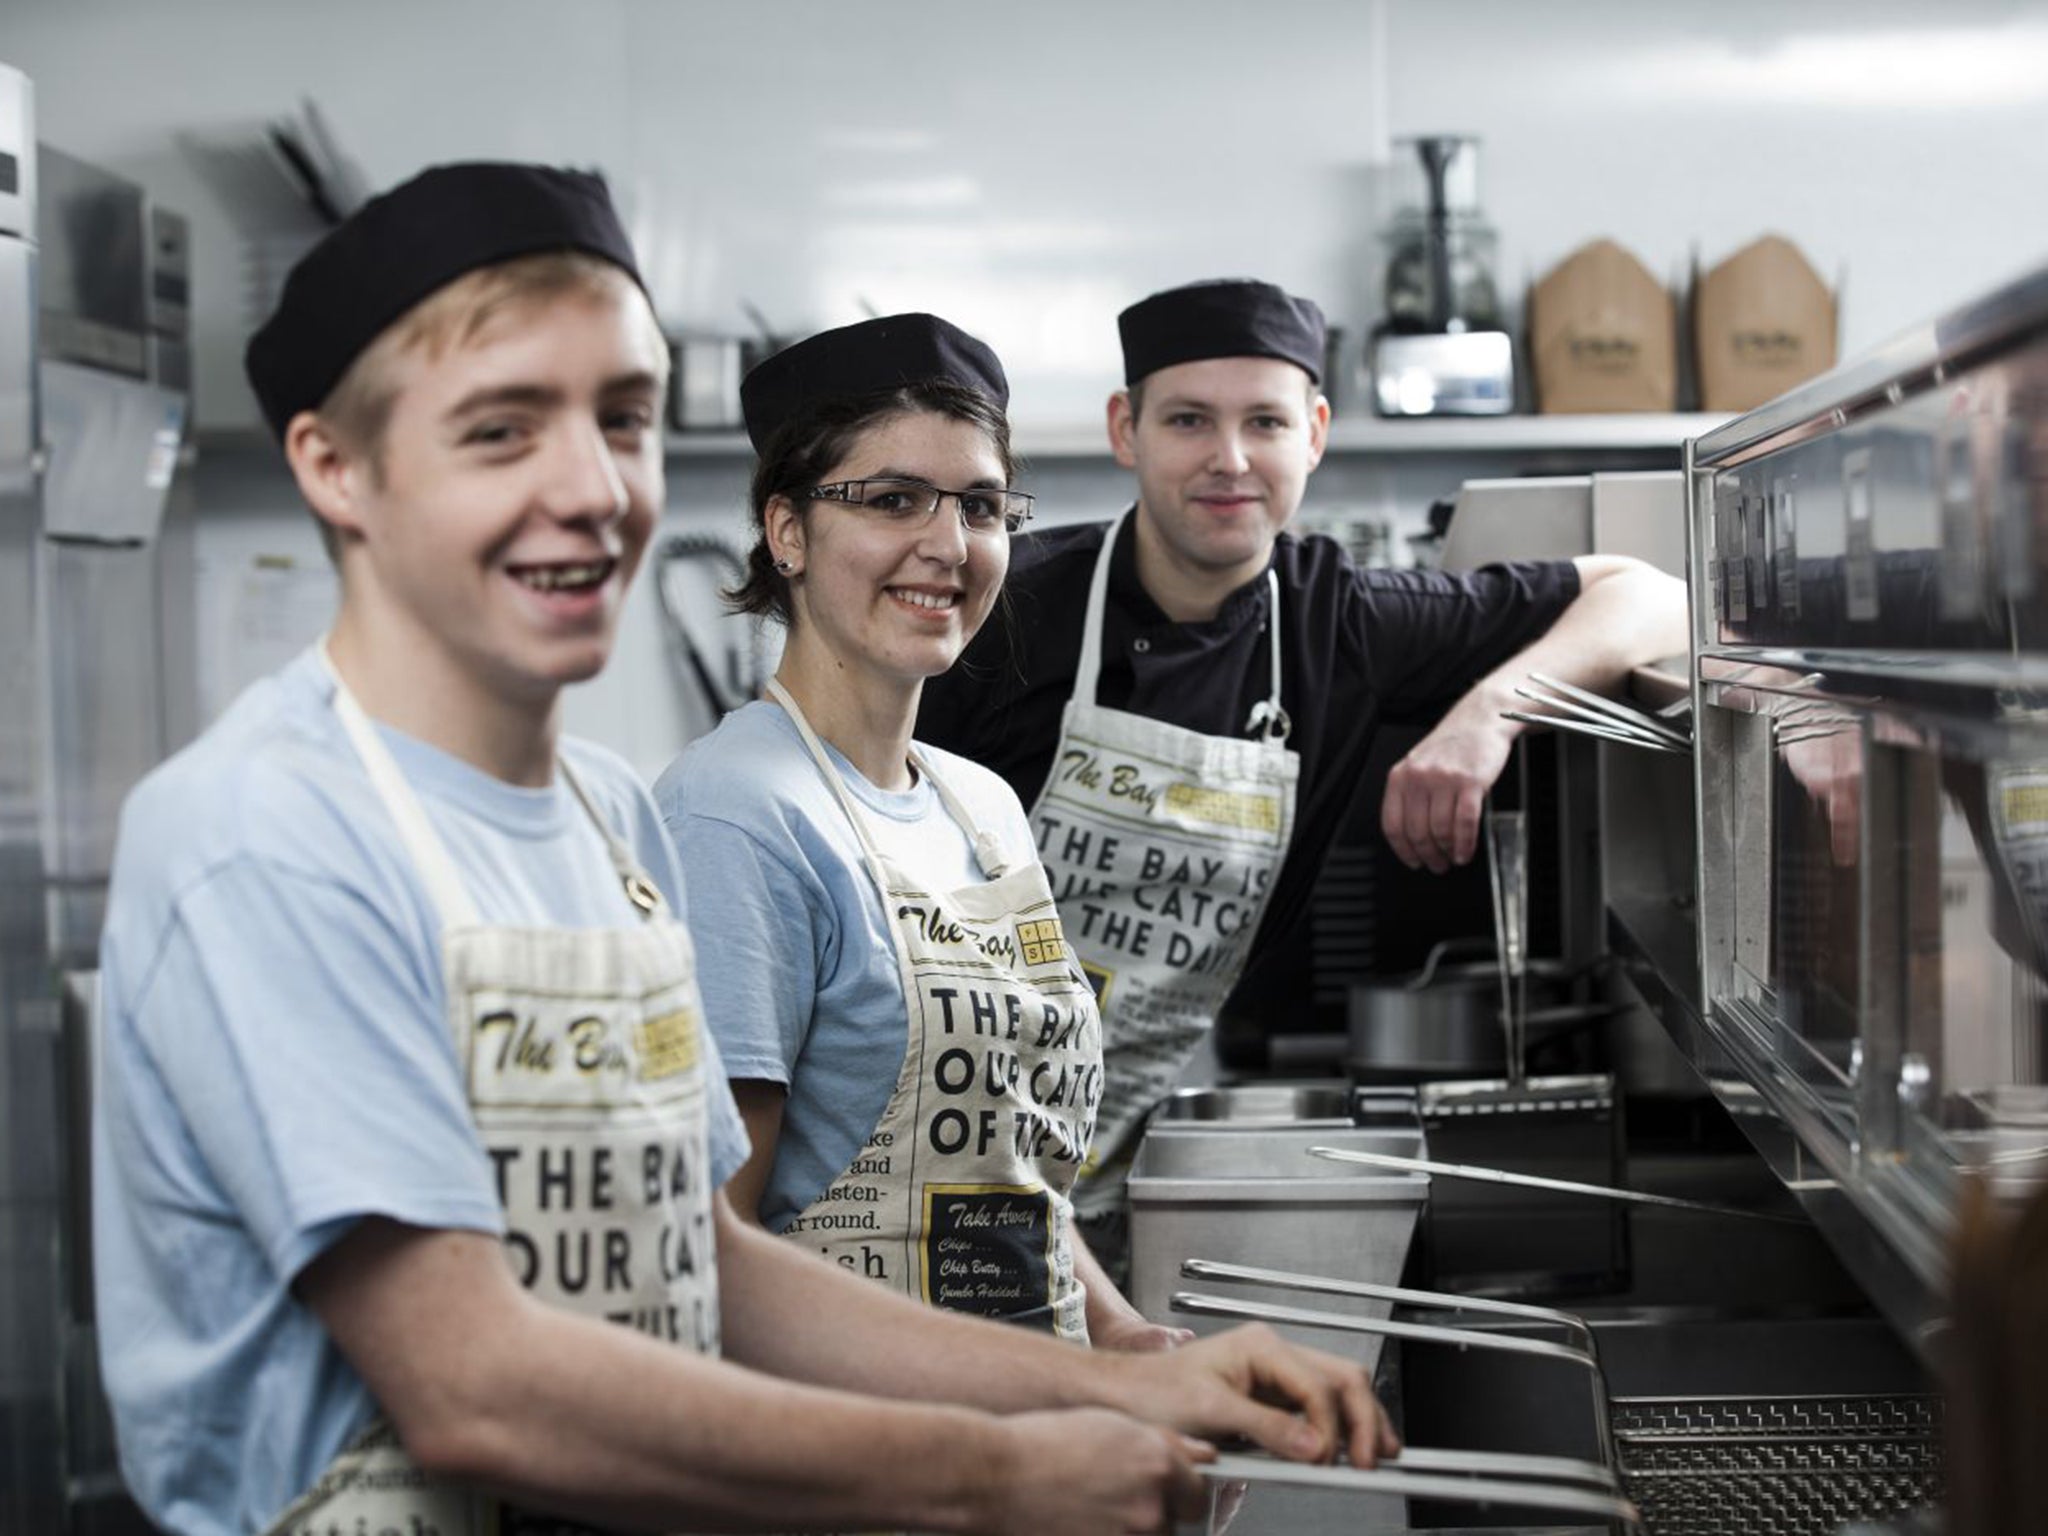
(276, 1064)
(799, 970)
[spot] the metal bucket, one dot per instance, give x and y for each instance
(1257, 1197)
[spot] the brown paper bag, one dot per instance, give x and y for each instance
(1602, 336)
(1763, 322)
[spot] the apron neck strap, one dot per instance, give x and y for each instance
(988, 852)
(430, 854)
(1267, 717)
(640, 890)
(1090, 668)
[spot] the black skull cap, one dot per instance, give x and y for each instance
(1222, 317)
(870, 357)
(405, 244)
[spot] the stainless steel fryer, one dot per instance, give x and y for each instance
(1694, 1466)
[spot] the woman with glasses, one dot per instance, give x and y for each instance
(916, 1055)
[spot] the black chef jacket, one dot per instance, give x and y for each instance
(1358, 647)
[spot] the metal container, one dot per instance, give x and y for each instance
(1445, 1021)
(704, 383)
(1259, 1198)
(1256, 1106)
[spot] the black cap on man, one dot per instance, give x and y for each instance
(407, 243)
(1224, 317)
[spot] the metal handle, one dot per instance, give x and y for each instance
(1532, 1181)
(1507, 1464)
(1588, 728)
(1422, 1485)
(1440, 1301)
(1422, 1333)
(1589, 704)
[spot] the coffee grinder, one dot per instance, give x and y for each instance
(1442, 349)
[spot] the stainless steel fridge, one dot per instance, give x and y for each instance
(94, 396)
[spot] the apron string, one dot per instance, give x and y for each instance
(988, 851)
(436, 865)
(1267, 717)
(1089, 671)
(430, 855)
(639, 887)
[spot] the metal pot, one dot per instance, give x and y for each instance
(704, 383)
(1445, 1020)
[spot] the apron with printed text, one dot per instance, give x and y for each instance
(1162, 845)
(959, 1196)
(581, 1051)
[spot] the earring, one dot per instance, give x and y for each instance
(785, 566)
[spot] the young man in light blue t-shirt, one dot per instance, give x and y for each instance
(405, 1097)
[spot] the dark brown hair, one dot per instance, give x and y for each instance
(806, 448)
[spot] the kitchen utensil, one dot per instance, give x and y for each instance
(1444, 1021)
(1705, 1466)
(767, 340)
(1439, 1301)
(743, 670)
(1257, 1106)
(1531, 1181)
(704, 383)
(1507, 858)
(1559, 1497)
(1256, 1196)
(1592, 706)
(1441, 350)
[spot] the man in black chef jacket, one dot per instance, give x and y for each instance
(1187, 772)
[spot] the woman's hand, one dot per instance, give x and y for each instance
(1298, 1403)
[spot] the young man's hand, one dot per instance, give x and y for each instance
(1132, 1335)
(1087, 1471)
(1225, 1385)
(1436, 794)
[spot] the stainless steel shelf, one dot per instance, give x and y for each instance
(1516, 434)
(1630, 432)
(1361, 435)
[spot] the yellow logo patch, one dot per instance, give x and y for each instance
(667, 1044)
(2025, 806)
(1042, 941)
(1224, 807)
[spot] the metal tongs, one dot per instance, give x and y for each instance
(1484, 1478)
(1400, 1164)
(1591, 715)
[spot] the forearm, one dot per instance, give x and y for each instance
(1108, 1310)
(489, 1387)
(609, 1425)
(1626, 614)
(788, 1314)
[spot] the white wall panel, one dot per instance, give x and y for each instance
(1905, 142)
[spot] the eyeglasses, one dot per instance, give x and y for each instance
(913, 504)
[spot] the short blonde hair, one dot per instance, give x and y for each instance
(358, 408)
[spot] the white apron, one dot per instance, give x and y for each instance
(582, 1054)
(1162, 845)
(959, 1196)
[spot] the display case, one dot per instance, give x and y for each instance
(1869, 566)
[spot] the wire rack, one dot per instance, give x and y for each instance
(1777, 1466)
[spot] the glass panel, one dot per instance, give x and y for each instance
(1972, 1073)
(1817, 905)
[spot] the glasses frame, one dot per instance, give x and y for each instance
(849, 492)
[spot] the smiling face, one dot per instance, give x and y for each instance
(1222, 448)
(488, 538)
(891, 605)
